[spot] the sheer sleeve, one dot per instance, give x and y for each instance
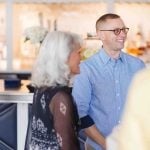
(64, 121)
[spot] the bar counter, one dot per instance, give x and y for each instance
(21, 97)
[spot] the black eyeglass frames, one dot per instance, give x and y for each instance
(117, 31)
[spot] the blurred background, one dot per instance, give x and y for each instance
(17, 54)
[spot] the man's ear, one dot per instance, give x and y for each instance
(100, 35)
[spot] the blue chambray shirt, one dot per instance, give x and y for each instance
(101, 87)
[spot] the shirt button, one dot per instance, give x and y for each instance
(117, 81)
(118, 108)
(119, 122)
(117, 94)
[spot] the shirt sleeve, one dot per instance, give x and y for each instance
(82, 91)
(86, 122)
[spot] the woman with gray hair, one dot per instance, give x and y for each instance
(53, 121)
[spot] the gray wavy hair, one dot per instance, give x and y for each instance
(51, 66)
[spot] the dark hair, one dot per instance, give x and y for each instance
(104, 18)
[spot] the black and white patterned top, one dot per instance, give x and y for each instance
(53, 122)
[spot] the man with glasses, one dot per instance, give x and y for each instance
(101, 87)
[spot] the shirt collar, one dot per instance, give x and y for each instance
(105, 57)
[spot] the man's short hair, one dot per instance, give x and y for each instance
(104, 18)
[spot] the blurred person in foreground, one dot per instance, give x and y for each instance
(101, 87)
(134, 131)
(53, 121)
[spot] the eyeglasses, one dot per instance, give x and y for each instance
(117, 31)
